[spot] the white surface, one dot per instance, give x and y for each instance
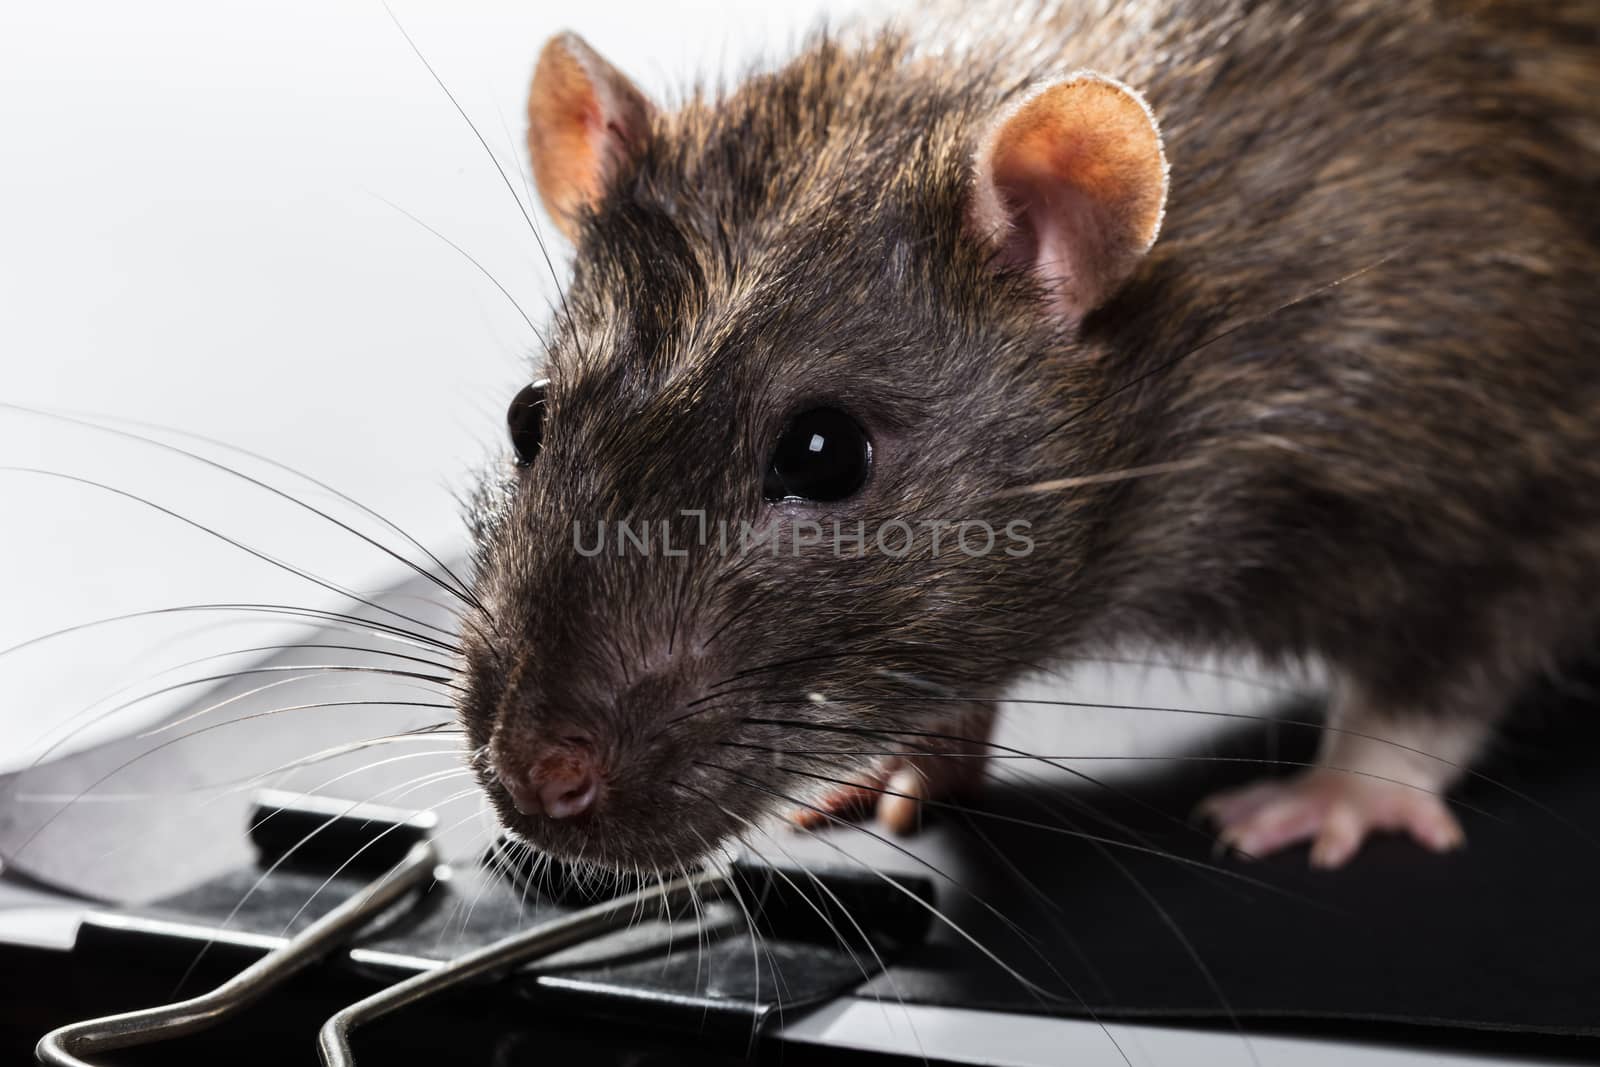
(997, 1040)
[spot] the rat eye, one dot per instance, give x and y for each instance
(525, 420)
(823, 456)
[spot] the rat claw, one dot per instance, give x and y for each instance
(1340, 837)
(900, 807)
(1234, 806)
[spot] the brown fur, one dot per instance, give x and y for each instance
(1400, 473)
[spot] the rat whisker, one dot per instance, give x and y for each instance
(883, 966)
(1179, 667)
(1055, 913)
(527, 192)
(522, 208)
(928, 753)
(470, 258)
(1034, 824)
(225, 655)
(666, 912)
(774, 665)
(1080, 802)
(306, 673)
(254, 552)
(755, 932)
(728, 689)
(312, 674)
(1183, 940)
(703, 709)
(121, 767)
(1171, 924)
(702, 935)
(405, 789)
(1183, 824)
(234, 786)
(622, 659)
(1056, 485)
(289, 854)
(1166, 709)
(925, 753)
(456, 917)
(377, 629)
(529, 860)
(822, 887)
(1329, 728)
(1094, 973)
(498, 871)
(460, 592)
(418, 734)
(739, 890)
(294, 646)
(295, 472)
(1033, 987)
(410, 786)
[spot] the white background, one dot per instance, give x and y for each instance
(193, 232)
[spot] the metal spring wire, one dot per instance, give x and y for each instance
(66, 1046)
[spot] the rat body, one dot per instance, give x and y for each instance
(928, 266)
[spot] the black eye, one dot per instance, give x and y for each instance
(525, 420)
(823, 455)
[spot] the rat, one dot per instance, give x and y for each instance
(941, 353)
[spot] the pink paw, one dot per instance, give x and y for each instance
(1334, 810)
(896, 792)
(898, 786)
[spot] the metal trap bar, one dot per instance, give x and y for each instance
(66, 1046)
(898, 910)
(333, 1042)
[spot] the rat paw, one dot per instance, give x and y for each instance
(841, 802)
(898, 786)
(896, 792)
(1334, 810)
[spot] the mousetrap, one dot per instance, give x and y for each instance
(368, 896)
(1060, 908)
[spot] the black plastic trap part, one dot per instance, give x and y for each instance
(1114, 903)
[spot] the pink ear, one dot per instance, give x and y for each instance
(586, 121)
(1071, 183)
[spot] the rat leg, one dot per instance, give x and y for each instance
(937, 768)
(1376, 770)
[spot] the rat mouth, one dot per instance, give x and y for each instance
(661, 830)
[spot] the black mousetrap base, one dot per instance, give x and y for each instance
(1098, 902)
(1118, 905)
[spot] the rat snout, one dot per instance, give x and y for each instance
(585, 753)
(563, 780)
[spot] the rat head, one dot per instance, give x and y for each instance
(767, 505)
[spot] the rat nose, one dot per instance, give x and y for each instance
(568, 793)
(562, 783)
